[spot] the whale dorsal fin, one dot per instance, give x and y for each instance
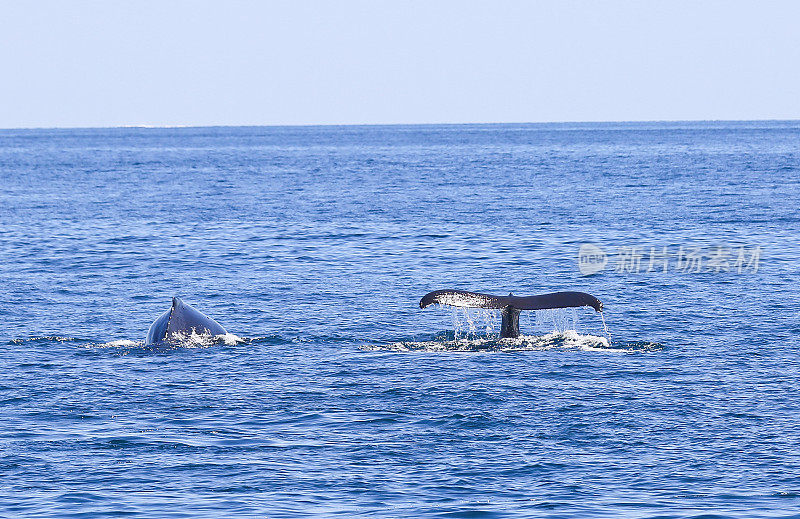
(182, 319)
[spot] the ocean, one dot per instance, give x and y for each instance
(335, 395)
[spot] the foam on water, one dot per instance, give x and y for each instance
(181, 340)
(120, 343)
(569, 339)
(476, 329)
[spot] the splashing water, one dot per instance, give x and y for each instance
(178, 340)
(605, 328)
(557, 319)
(470, 324)
(120, 343)
(568, 340)
(195, 339)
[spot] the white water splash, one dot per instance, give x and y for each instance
(183, 340)
(557, 319)
(567, 340)
(470, 323)
(477, 329)
(195, 339)
(230, 339)
(121, 343)
(605, 328)
(477, 323)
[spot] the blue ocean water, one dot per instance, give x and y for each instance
(341, 397)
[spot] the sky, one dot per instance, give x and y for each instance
(201, 63)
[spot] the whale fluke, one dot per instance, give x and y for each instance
(510, 305)
(182, 319)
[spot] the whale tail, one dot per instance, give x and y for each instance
(510, 305)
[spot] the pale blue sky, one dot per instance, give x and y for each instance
(114, 63)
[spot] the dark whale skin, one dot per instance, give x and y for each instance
(467, 299)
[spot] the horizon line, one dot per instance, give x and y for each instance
(317, 125)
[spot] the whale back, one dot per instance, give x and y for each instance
(158, 330)
(182, 319)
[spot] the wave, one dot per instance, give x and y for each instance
(192, 340)
(443, 341)
(46, 339)
(564, 340)
(189, 340)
